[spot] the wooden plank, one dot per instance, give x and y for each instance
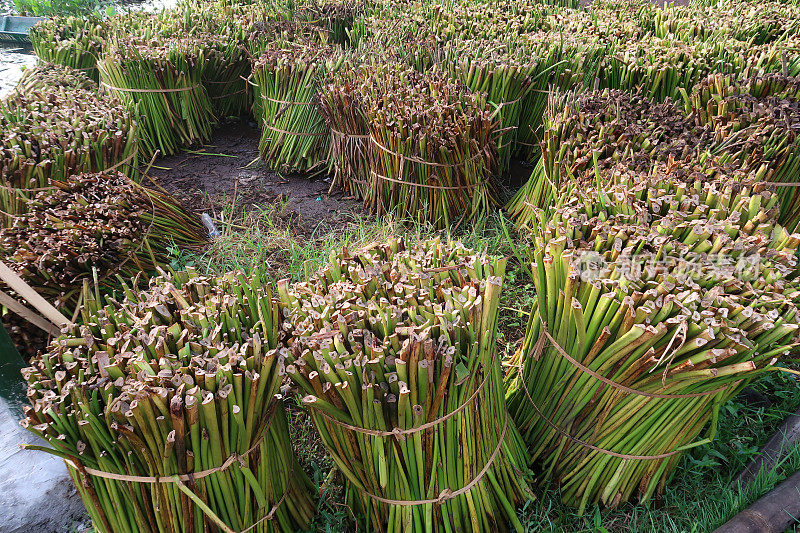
(34, 318)
(32, 297)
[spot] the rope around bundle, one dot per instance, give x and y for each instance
(479, 154)
(539, 348)
(178, 477)
(150, 91)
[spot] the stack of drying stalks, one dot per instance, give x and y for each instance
(36, 81)
(76, 42)
(661, 68)
(434, 146)
(755, 23)
(599, 129)
(341, 104)
(502, 71)
(337, 16)
(163, 405)
(227, 67)
(564, 62)
(658, 298)
(396, 353)
(160, 79)
(102, 222)
(295, 137)
(56, 125)
(755, 124)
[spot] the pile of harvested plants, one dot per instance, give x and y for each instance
(755, 124)
(434, 147)
(295, 137)
(599, 129)
(163, 405)
(395, 350)
(658, 298)
(161, 81)
(76, 42)
(102, 222)
(340, 102)
(55, 125)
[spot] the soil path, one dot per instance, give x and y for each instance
(209, 183)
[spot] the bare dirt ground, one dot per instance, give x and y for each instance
(238, 180)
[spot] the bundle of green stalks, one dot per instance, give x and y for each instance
(170, 383)
(337, 16)
(95, 221)
(404, 42)
(485, 20)
(657, 300)
(340, 103)
(55, 125)
(434, 147)
(761, 23)
(227, 67)
(755, 123)
(608, 22)
(160, 80)
(295, 137)
(598, 129)
(661, 68)
(395, 352)
(505, 72)
(76, 42)
(564, 63)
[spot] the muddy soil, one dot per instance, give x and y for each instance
(236, 180)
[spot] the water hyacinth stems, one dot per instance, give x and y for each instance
(391, 340)
(295, 137)
(162, 84)
(190, 389)
(102, 222)
(55, 124)
(648, 318)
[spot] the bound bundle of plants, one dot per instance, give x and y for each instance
(656, 302)
(340, 102)
(434, 147)
(505, 73)
(407, 43)
(756, 124)
(490, 21)
(395, 352)
(756, 24)
(565, 62)
(608, 22)
(55, 125)
(337, 16)
(601, 128)
(163, 405)
(76, 42)
(161, 81)
(94, 221)
(295, 137)
(661, 68)
(227, 67)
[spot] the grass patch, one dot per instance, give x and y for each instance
(271, 242)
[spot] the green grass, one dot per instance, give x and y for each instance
(272, 242)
